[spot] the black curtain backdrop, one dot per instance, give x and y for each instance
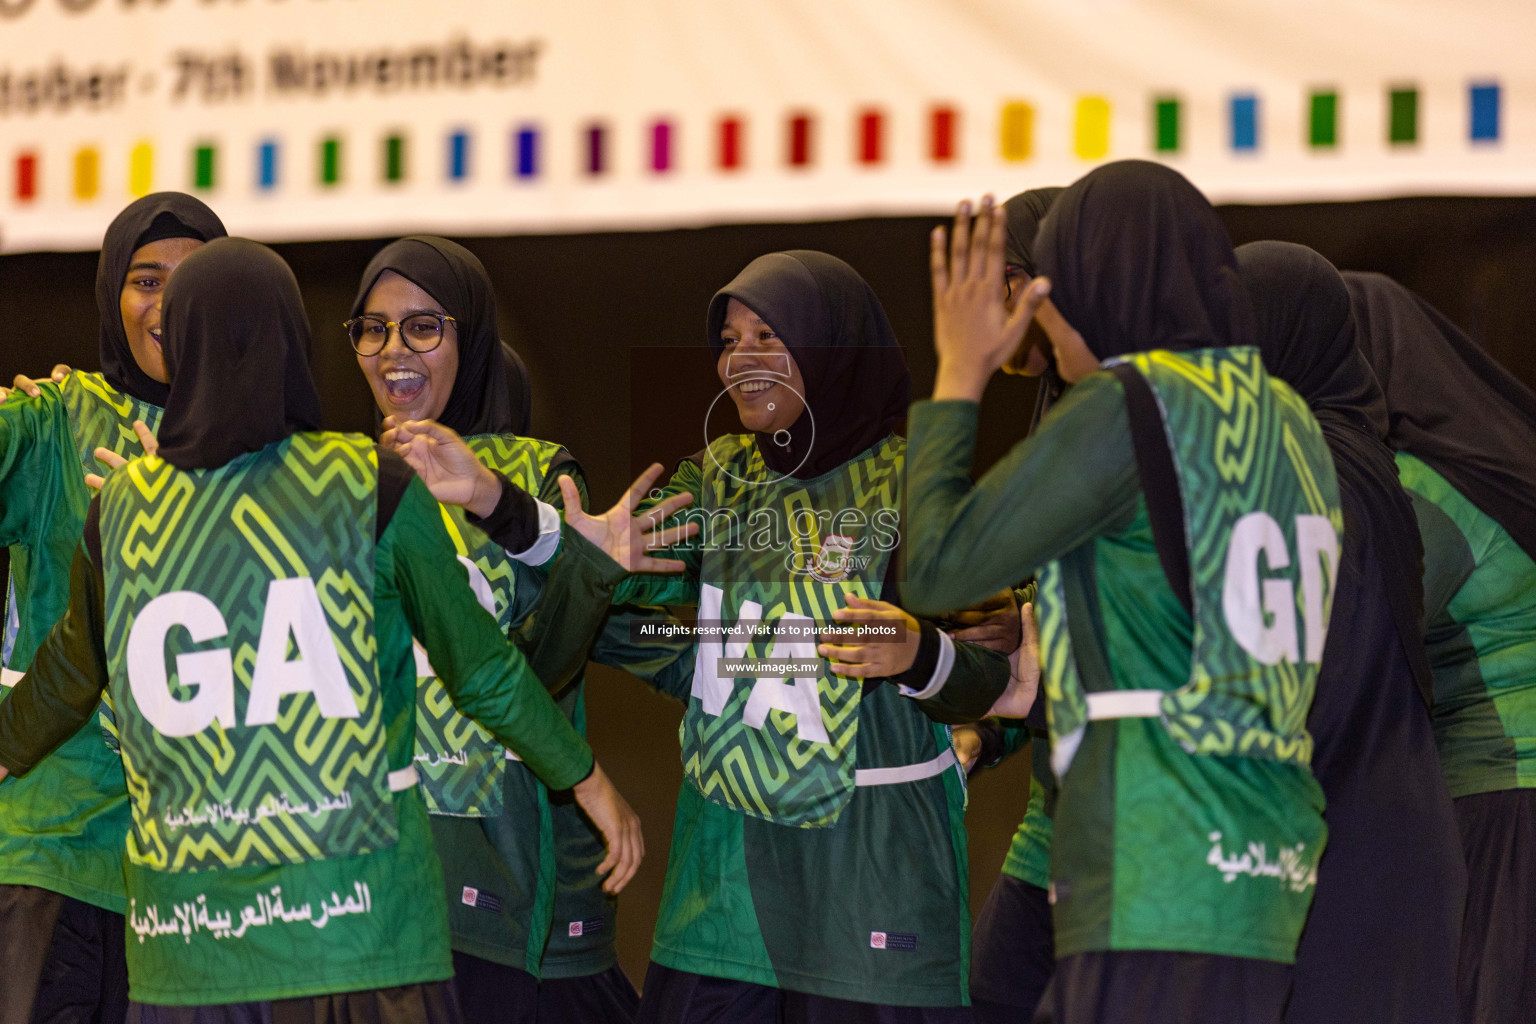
(611, 326)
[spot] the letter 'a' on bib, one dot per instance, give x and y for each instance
(241, 642)
(462, 767)
(1258, 535)
(784, 748)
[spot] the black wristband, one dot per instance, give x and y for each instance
(514, 522)
(921, 671)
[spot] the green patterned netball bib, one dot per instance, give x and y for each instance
(1261, 523)
(241, 640)
(783, 554)
(461, 764)
(100, 417)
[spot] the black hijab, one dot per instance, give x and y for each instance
(1450, 403)
(479, 402)
(519, 394)
(157, 216)
(1023, 214)
(237, 348)
(1306, 333)
(856, 381)
(1138, 260)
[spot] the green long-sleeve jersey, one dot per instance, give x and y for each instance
(62, 826)
(371, 920)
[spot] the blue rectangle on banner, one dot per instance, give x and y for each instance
(527, 153)
(458, 156)
(1485, 112)
(266, 164)
(1245, 122)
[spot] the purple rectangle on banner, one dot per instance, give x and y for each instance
(597, 147)
(661, 146)
(526, 158)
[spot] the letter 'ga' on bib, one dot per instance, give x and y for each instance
(100, 417)
(783, 749)
(1262, 523)
(240, 633)
(460, 763)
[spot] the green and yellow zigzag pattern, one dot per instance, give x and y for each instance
(304, 507)
(771, 773)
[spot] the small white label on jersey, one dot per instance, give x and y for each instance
(471, 896)
(877, 940)
(574, 929)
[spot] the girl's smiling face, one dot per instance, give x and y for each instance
(407, 384)
(759, 371)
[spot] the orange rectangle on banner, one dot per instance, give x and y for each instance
(87, 173)
(1016, 130)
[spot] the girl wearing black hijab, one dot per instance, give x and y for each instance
(1367, 954)
(61, 878)
(279, 862)
(540, 946)
(1176, 660)
(1465, 434)
(817, 870)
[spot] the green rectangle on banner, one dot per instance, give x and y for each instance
(330, 161)
(1403, 116)
(1325, 118)
(202, 167)
(1165, 114)
(394, 158)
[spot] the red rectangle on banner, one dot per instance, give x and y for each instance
(730, 143)
(942, 141)
(800, 140)
(871, 137)
(26, 176)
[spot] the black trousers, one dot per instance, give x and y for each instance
(1157, 987)
(1013, 953)
(1496, 975)
(678, 997)
(492, 993)
(61, 960)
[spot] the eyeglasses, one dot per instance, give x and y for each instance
(419, 332)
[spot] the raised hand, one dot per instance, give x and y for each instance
(1024, 671)
(874, 658)
(112, 460)
(619, 825)
(445, 464)
(625, 536)
(974, 334)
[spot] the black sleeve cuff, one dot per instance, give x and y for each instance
(514, 522)
(918, 676)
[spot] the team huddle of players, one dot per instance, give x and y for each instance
(293, 727)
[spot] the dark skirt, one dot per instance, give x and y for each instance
(492, 993)
(1497, 974)
(680, 997)
(63, 960)
(429, 1003)
(1013, 952)
(1158, 987)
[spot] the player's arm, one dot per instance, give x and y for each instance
(679, 589)
(60, 691)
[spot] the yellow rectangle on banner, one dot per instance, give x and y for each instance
(1017, 131)
(1091, 136)
(87, 173)
(141, 169)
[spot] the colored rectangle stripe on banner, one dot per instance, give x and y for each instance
(266, 164)
(141, 169)
(1165, 121)
(87, 173)
(729, 156)
(394, 159)
(1402, 116)
(1090, 136)
(203, 167)
(26, 176)
(1016, 131)
(1484, 100)
(1244, 115)
(871, 137)
(458, 156)
(597, 146)
(1324, 117)
(330, 160)
(800, 127)
(661, 146)
(941, 134)
(525, 156)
